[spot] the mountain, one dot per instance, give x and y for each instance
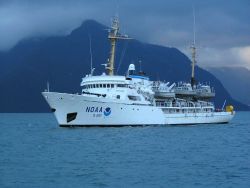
(236, 80)
(64, 60)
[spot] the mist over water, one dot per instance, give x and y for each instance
(35, 152)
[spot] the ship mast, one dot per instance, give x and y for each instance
(193, 49)
(113, 37)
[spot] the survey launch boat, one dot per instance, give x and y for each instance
(133, 99)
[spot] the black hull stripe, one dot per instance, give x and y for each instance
(139, 125)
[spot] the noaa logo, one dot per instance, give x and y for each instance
(107, 111)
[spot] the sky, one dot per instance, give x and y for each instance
(222, 26)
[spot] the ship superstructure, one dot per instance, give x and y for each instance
(133, 99)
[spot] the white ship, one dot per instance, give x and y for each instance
(133, 99)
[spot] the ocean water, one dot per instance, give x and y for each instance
(35, 152)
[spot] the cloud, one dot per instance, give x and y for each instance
(220, 25)
(22, 20)
(243, 54)
(229, 57)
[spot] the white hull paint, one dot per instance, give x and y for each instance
(91, 112)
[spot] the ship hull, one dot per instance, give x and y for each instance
(198, 118)
(77, 110)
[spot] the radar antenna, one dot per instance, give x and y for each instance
(193, 48)
(91, 56)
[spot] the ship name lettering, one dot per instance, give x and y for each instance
(94, 109)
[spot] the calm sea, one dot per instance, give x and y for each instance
(35, 152)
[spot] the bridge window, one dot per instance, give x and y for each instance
(121, 85)
(88, 86)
